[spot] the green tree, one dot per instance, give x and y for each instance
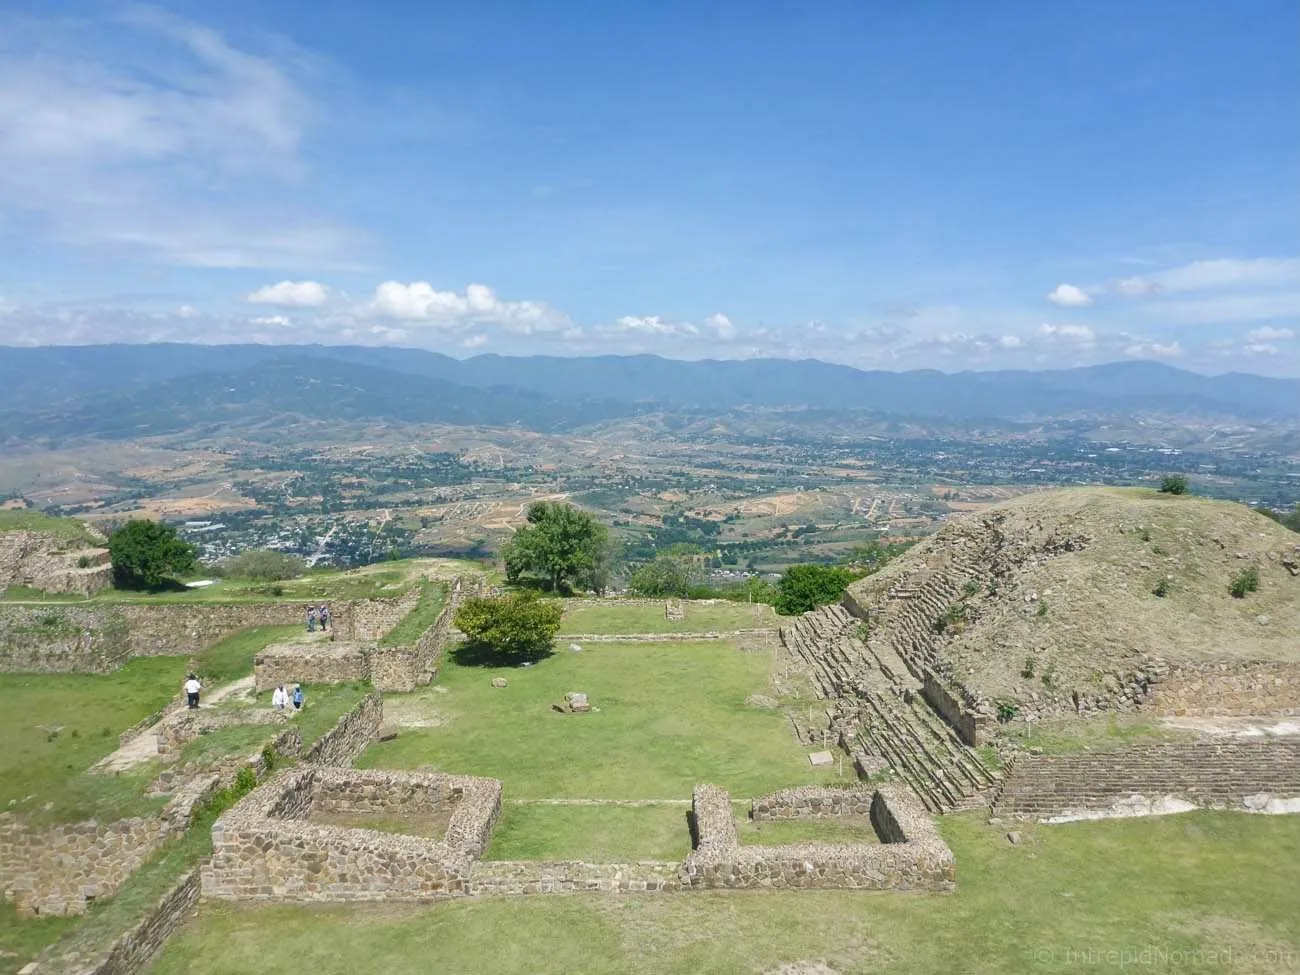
(560, 543)
(670, 574)
(805, 587)
(1173, 484)
(263, 565)
(515, 625)
(147, 553)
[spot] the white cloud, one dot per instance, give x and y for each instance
(1080, 334)
(1261, 348)
(154, 136)
(279, 321)
(419, 301)
(474, 341)
(1156, 350)
(1010, 341)
(1223, 274)
(722, 326)
(650, 325)
(291, 294)
(1070, 296)
(1270, 334)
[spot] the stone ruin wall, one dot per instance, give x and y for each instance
(267, 848)
(812, 802)
(395, 668)
(1252, 776)
(61, 638)
(911, 856)
(134, 948)
(1216, 690)
(341, 745)
(60, 870)
(44, 561)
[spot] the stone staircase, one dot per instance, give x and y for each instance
(877, 710)
(1208, 774)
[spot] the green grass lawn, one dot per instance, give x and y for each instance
(1169, 886)
(671, 715)
(597, 834)
(608, 616)
(68, 529)
(433, 596)
(232, 657)
(40, 765)
(781, 832)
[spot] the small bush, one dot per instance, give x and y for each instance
(1027, 669)
(953, 618)
(269, 758)
(1162, 588)
(864, 631)
(83, 562)
(1247, 580)
(993, 587)
(1049, 676)
(1173, 484)
(1145, 534)
(1007, 710)
(1042, 608)
(970, 588)
(245, 780)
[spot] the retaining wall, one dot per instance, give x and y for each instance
(1253, 776)
(349, 737)
(266, 847)
(911, 856)
(1212, 690)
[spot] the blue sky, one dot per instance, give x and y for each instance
(947, 185)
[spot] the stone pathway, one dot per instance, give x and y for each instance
(143, 747)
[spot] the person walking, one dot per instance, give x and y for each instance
(324, 614)
(192, 688)
(297, 697)
(311, 619)
(279, 698)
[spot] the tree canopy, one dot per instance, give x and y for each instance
(805, 587)
(147, 553)
(1173, 484)
(562, 544)
(515, 625)
(670, 574)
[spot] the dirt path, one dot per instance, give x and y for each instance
(144, 746)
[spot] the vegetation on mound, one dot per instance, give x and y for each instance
(1089, 583)
(147, 554)
(262, 565)
(67, 529)
(1178, 887)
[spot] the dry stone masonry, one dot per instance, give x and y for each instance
(1250, 776)
(911, 855)
(43, 561)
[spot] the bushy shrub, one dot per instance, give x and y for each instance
(1162, 587)
(1247, 580)
(1173, 484)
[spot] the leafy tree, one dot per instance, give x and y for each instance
(670, 574)
(1173, 484)
(263, 565)
(147, 553)
(805, 587)
(561, 543)
(518, 624)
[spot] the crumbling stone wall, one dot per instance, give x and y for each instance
(311, 663)
(371, 619)
(55, 639)
(266, 847)
(1213, 690)
(911, 856)
(173, 735)
(349, 737)
(1253, 776)
(135, 947)
(812, 802)
(521, 877)
(44, 561)
(59, 870)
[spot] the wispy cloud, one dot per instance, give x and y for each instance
(156, 137)
(1216, 275)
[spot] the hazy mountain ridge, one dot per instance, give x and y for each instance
(140, 390)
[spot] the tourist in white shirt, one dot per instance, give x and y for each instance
(279, 698)
(192, 688)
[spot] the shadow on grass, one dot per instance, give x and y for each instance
(485, 655)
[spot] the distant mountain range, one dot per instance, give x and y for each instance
(140, 390)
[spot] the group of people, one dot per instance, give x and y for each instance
(281, 699)
(318, 616)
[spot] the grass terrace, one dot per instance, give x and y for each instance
(1209, 891)
(665, 717)
(608, 617)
